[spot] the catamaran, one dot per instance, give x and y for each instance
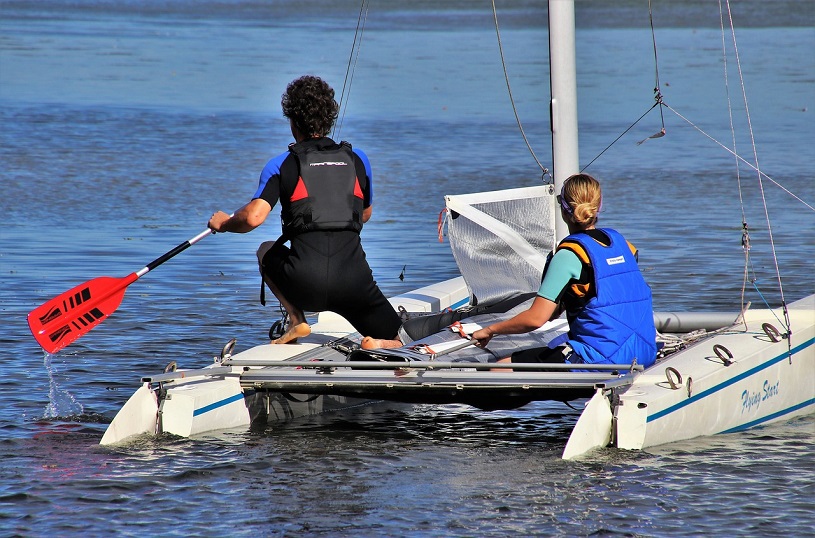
(716, 372)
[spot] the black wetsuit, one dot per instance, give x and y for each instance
(325, 270)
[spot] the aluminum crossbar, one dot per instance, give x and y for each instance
(482, 389)
(434, 365)
(187, 374)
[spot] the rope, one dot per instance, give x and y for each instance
(657, 92)
(442, 221)
(356, 46)
(544, 170)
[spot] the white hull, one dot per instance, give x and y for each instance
(765, 382)
(212, 399)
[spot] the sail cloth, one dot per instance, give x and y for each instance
(500, 240)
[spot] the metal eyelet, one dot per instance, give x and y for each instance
(724, 354)
(674, 377)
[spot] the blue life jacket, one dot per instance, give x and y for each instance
(616, 325)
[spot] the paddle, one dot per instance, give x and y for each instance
(67, 317)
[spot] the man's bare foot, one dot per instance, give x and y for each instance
(378, 343)
(297, 331)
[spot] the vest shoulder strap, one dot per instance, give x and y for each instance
(577, 249)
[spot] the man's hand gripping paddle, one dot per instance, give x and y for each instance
(67, 317)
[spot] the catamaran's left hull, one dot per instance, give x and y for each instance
(213, 403)
(211, 399)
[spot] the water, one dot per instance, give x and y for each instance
(124, 125)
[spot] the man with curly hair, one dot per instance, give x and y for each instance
(325, 193)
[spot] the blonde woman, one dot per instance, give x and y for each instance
(593, 276)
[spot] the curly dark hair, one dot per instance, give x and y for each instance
(309, 103)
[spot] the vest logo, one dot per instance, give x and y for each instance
(329, 163)
(615, 261)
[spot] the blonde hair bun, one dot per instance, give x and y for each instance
(584, 196)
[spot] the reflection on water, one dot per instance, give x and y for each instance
(410, 470)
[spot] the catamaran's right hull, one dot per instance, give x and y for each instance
(730, 382)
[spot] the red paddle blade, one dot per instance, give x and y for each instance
(67, 317)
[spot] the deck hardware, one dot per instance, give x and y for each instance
(278, 328)
(172, 366)
(771, 332)
(674, 377)
(226, 352)
(724, 354)
(327, 370)
(690, 385)
(403, 313)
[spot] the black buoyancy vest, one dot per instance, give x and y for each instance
(328, 196)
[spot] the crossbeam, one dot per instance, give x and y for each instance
(462, 379)
(434, 365)
(482, 389)
(187, 374)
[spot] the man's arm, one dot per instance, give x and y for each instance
(244, 220)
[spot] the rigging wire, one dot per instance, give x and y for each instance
(658, 102)
(662, 104)
(737, 156)
(757, 167)
(354, 56)
(745, 233)
(739, 159)
(356, 46)
(544, 170)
